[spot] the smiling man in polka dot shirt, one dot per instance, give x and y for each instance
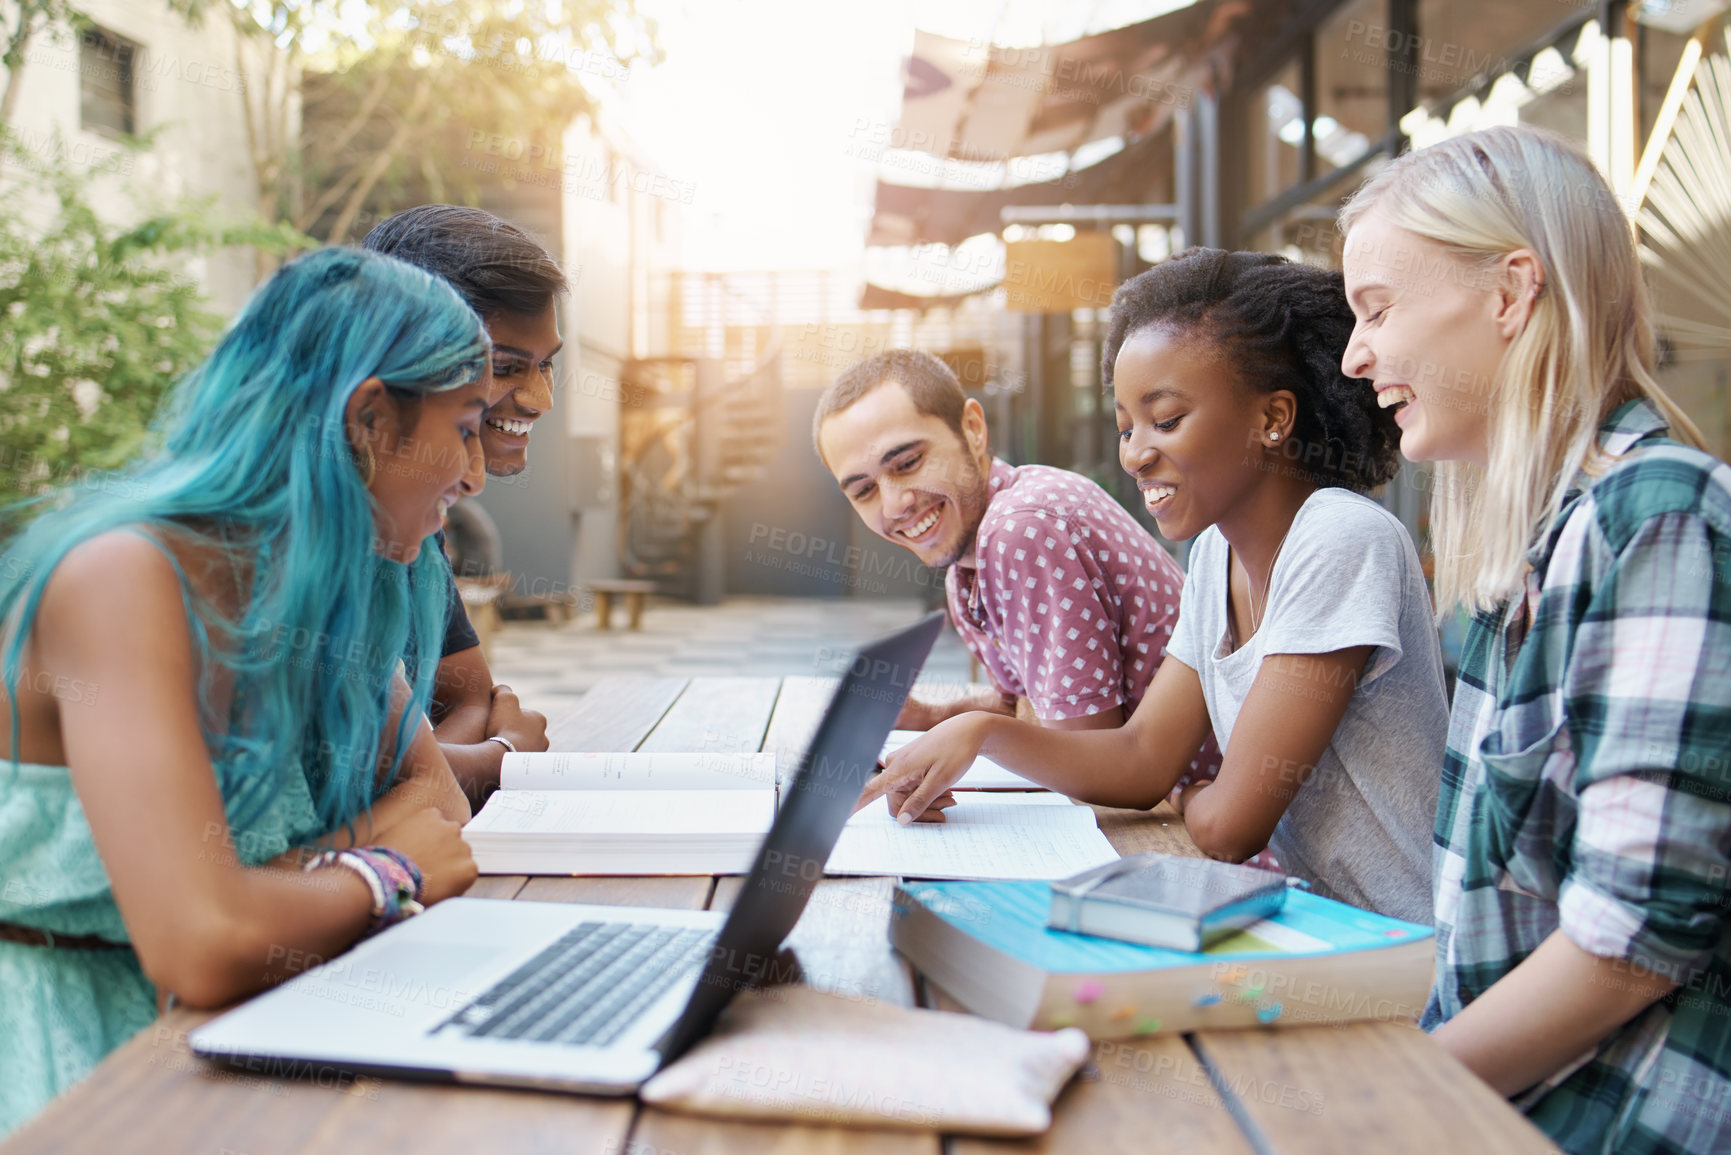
(1063, 597)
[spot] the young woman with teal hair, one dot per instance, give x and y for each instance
(204, 670)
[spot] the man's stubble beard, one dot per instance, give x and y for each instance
(972, 509)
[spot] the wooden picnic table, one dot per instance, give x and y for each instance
(1380, 1087)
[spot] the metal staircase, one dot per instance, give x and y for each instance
(691, 434)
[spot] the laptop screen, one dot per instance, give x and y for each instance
(815, 806)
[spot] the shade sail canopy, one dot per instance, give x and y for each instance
(969, 103)
(966, 100)
(906, 215)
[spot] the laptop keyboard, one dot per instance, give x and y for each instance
(586, 988)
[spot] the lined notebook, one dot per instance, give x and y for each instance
(983, 836)
(984, 774)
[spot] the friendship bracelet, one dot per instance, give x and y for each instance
(406, 876)
(394, 880)
(402, 860)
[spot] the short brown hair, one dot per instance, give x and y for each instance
(933, 387)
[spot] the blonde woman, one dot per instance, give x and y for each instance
(1583, 830)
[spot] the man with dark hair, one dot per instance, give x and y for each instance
(1061, 595)
(513, 284)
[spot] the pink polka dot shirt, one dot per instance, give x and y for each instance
(1072, 602)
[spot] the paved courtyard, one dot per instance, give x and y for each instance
(551, 667)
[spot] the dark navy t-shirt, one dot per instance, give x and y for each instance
(459, 634)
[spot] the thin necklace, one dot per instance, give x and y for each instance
(1256, 617)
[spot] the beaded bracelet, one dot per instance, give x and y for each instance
(392, 877)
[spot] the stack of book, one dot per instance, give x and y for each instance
(989, 946)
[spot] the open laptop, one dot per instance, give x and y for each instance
(568, 997)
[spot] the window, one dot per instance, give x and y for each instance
(105, 80)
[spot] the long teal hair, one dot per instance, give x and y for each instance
(255, 460)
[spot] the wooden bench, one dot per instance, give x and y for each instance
(635, 593)
(555, 609)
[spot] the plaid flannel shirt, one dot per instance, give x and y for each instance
(1587, 787)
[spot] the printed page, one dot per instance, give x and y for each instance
(983, 837)
(984, 774)
(711, 771)
(622, 813)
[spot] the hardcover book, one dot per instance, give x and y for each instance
(1166, 900)
(988, 945)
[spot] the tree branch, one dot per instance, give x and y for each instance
(358, 198)
(358, 121)
(330, 195)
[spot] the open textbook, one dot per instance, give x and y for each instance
(708, 813)
(625, 814)
(984, 774)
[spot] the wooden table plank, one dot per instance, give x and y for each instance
(153, 1095)
(798, 709)
(617, 714)
(431, 1120)
(1382, 1087)
(678, 892)
(660, 1132)
(716, 715)
(1111, 1105)
(504, 886)
(1135, 831)
(1143, 1096)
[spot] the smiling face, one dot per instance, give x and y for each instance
(910, 478)
(1188, 432)
(1428, 338)
(426, 455)
(523, 349)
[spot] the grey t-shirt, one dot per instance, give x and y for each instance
(1360, 828)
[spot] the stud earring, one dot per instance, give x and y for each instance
(1273, 437)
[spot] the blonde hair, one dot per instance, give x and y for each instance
(1586, 348)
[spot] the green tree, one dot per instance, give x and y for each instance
(97, 319)
(338, 112)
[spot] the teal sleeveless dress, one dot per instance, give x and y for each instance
(62, 1010)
